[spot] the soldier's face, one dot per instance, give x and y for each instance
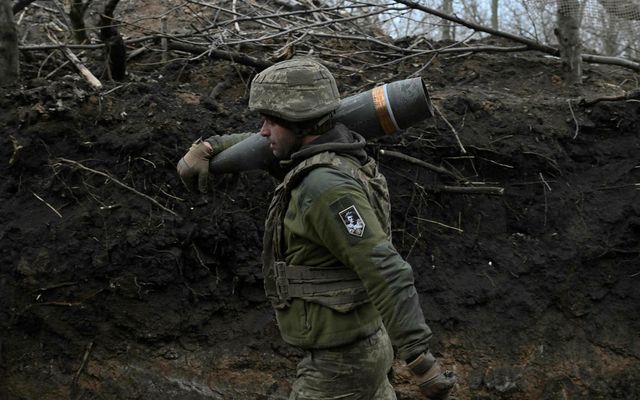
(282, 141)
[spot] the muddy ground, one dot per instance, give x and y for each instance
(116, 283)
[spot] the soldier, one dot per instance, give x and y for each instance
(339, 288)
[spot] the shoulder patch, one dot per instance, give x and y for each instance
(352, 220)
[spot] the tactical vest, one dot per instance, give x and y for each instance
(337, 287)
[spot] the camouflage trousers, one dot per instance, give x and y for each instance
(357, 371)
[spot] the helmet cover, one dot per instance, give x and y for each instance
(295, 90)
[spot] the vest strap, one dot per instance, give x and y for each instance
(327, 286)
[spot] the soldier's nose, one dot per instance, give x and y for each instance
(264, 129)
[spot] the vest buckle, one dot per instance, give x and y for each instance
(282, 283)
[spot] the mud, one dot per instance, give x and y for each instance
(116, 283)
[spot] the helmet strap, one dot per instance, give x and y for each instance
(324, 124)
(314, 127)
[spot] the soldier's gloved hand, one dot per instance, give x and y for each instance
(434, 383)
(193, 168)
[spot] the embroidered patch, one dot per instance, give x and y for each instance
(352, 221)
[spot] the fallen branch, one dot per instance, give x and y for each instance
(136, 52)
(440, 224)
(455, 133)
(421, 163)
(17, 147)
(47, 204)
(621, 62)
(546, 187)
(151, 199)
(55, 286)
(631, 95)
(232, 56)
(84, 71)
(39, 47)
(74, 383)
(575, 120)
(61, 304)
(490, 190)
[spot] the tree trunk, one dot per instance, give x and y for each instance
(9, 65)
(611, 36)
(76, 16)
(115, 49)
(494, 14)
(447, 26)
(625, 9)
(568, 33)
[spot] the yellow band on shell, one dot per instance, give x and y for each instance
(382, 110)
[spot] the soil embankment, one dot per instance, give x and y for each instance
(107, 294)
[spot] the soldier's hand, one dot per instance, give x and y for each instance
(193, 168)
(434, 383)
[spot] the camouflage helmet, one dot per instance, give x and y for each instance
(295, 90)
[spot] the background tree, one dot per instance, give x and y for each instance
(76, 10)
(9, 66)
(611, 35)
(115, 50)
(494, 14)
(627, 9)
(620, 32)
(447, 27)
(568, 33)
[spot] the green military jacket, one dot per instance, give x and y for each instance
(326, 216)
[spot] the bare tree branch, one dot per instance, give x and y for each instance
(528, 42)
(241, 58)
(346, 36)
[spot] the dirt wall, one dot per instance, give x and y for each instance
(116, 283)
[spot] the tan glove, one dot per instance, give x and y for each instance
(434, 383)
(193, 168)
